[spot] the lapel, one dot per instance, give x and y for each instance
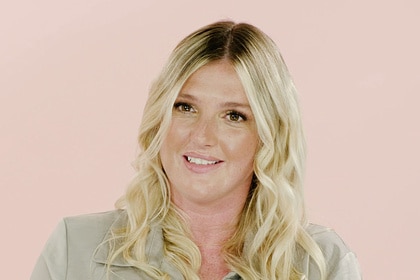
(154, 253)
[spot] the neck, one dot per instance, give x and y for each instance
(211, 226)
(211, 230)
(211, 223)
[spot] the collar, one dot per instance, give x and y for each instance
(154, 250)
(154, 245)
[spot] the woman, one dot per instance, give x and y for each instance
(218, 192)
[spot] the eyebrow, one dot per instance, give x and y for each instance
(224, 104)
(187, 96)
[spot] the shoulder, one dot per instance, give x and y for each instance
(341, 261)
(89, 230)
(69, 249)
(329, 241)
(96, 222)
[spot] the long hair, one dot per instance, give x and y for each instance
(271, 229)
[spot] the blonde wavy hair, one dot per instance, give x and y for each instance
(271, 229)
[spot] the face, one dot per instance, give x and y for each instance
(209, 151)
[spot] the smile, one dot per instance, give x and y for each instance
(200, 161)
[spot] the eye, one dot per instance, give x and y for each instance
(234, 116)
(183, 107)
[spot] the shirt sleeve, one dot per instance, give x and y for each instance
(341, 262)
(346, 269)
(52, 263)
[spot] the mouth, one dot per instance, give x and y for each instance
(200, 161)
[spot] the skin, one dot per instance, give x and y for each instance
(208, 156)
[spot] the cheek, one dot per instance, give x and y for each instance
(241, 147)
(173, 140)
(179, 128)
(167, 146)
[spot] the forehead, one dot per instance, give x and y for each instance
(216, 79)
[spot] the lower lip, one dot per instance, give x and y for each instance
(201, 168)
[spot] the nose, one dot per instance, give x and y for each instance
(204, 132)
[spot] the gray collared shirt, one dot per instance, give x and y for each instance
(77, 250)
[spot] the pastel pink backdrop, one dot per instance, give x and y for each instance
(74, 77)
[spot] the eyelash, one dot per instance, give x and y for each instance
(187, 108)
(183, 107)
(238, 115)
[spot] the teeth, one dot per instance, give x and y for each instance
(200, 161)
